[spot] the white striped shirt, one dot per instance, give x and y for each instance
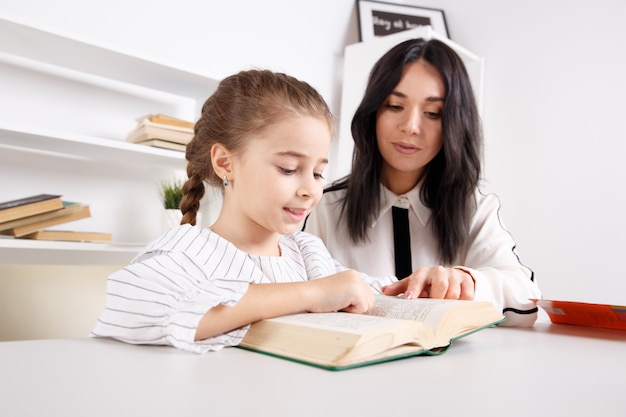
(162, 295)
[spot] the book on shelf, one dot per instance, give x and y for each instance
(70, 212)
(394, 328)
(168, 120)
(69, 235)
(607, 316)
(146, 130)
(29, 206)
(163, 144)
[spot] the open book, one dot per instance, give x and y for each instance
(394, 328)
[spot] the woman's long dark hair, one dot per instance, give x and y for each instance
(450, 178)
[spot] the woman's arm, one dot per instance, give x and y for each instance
(488, 270)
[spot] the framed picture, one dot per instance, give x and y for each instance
(377, 18)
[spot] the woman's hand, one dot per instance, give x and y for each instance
(434, 282)
(344, 291)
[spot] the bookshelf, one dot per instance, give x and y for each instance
(66, 107)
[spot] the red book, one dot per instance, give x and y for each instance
(585, 314)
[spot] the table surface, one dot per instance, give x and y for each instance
(550, 369)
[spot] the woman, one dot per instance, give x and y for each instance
(417, 154)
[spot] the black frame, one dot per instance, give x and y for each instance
(394, 18)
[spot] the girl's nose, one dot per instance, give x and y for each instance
(307, 187)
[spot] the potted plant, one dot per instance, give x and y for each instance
(171, 195)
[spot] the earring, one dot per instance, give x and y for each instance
(225, 181)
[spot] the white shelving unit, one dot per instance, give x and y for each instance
(65, 109)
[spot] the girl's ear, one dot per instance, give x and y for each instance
(221, 158)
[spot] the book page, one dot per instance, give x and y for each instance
(427, 310)
(342, 322)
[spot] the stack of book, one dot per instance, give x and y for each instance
(162, 131)
(29, 218)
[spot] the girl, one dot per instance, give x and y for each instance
(417, 155)
(263, 137)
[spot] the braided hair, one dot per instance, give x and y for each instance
(243, 104)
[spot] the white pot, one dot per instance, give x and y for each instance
(170, 218)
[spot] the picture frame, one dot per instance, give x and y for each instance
(378, 18)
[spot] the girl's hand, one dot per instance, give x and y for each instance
(344, 291)
(434, 282)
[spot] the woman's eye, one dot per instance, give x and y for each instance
(433, 115)
(393, 107)
(318, 176)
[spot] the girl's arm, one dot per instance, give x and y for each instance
(344, 291)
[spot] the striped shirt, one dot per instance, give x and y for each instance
(162, 295)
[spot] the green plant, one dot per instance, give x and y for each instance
(172, 193)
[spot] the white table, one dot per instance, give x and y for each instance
(548, 370)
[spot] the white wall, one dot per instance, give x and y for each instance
(555, 145)
(51, 301)
(552, 102)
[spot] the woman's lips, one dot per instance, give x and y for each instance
(405, 148)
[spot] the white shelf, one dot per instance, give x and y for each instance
(61, 50)
(67, 145)
(23, 251)
(66, 107)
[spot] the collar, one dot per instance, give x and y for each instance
(410, 200)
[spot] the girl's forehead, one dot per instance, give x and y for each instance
(296, 135)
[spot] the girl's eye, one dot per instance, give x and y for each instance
(287, 171)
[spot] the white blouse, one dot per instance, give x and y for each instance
(489, 256)
(162, 295)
